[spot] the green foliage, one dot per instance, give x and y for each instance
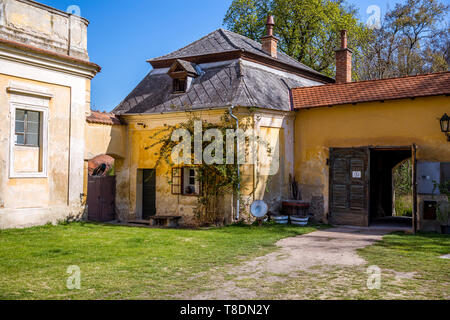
(215, 180)
(403, 206)
(443, 210)
(402, 176)
(308, 30)
(443, 187)
(414, 39)
(402, 180)
(111, 172)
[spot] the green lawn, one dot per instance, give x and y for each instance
(121, 262)
(410, 265)
(139, 263)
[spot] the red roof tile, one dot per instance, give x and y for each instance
(373, 90)
(99, 160)
(103, 118)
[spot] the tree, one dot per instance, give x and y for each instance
(413, 39)
(308, 29)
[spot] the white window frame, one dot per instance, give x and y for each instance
(182, 182)
(186, 176)
(43, 140)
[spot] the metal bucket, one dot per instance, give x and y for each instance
(299, 221)
(281, 219)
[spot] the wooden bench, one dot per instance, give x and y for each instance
(165, 221)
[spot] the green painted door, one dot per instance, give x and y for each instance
(149, 194)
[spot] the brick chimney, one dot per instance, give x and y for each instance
(344, 61)
(270, 42)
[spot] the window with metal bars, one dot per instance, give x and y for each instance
(27, 128)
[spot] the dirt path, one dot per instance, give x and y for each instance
(331, 248)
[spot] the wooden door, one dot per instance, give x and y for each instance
(149, 194)
(101, 198)
(349, 186)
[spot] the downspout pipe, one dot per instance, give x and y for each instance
(237, 160)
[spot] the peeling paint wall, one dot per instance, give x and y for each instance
(20, 193)
(272, 177)
(36, 193)
(105, 139)
(27, 159)
(140, 155)
(392, 123)
(30, 197)
(43, 27)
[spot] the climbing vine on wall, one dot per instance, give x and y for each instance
(215, 180)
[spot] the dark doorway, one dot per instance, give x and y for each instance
(383, 166)
(349, 186)
(101, 198)
(148, 194)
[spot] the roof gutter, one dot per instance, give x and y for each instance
(237, 160)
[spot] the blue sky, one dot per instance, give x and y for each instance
(122, 35)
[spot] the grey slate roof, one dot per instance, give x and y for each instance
(233, 82)
(230, 83)
(223, 40)
(188, 66)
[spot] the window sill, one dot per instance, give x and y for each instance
(31, 175)
(20, 146)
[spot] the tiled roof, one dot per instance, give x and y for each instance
(103, 118)
(233, 82)
(221, 41)
(98, 161)
(373, 90)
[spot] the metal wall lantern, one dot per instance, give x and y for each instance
(445, 125)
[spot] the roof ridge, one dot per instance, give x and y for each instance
(223, 31)
(376, 80)
(262, 51)
(180, 49)
(236, 92)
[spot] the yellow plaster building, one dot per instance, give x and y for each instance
(350, 136)
(45, 77)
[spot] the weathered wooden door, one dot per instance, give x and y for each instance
(149, 194)
(101, 198)
(349, 186)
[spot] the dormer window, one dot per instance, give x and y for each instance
(183, 73)
(179, 85)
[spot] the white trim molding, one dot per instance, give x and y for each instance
(21, 100)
